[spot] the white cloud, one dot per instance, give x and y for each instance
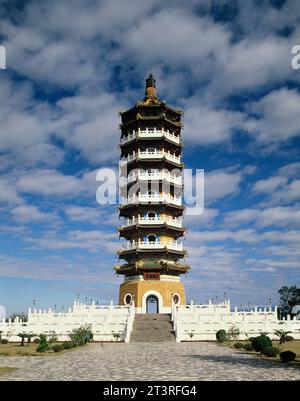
(221, 183)
(283, 187)
(269, 185)
(8, 193)
(281, 216)
(206, 218)
(278, 116)
(208, 126)
(94, 241)
(25, 127)
(84, 214)
(248, 236)
(49, 182)
(30, 213)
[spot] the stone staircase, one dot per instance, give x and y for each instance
(152, 327)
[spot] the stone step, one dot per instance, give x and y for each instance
(152, 316)
(152, 328)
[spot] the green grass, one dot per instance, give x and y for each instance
(293, 346)
(15, 349)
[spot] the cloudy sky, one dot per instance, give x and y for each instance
(72, 67)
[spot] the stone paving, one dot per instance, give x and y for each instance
(144, 361)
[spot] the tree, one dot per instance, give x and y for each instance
(21, 315)
(289, 297)
(282, 335)
(23, 336)
(29, 337)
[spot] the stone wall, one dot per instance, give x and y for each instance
(106, 322)
(201, 322)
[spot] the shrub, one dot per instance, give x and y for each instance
(36, 340)
(221, 336)
(43, 344)
(287, 356)
(233, 333)
(4, 341)
(57, 348)
(289, 338)
(68, 345)
(248, 347)
(238, 345)
(251, 339)
(261, 342)
(82, 335)
(271, 351)
(52, 338)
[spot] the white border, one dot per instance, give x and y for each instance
(159, 297)
(124, 299)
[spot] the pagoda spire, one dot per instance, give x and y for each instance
(150, 91)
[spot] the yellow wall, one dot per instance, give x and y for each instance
(138, 288)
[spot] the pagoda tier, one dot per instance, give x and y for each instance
(151, 209)
(158, 266)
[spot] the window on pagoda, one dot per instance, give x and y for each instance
(151, 276)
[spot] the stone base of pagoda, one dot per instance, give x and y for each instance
(164, 290)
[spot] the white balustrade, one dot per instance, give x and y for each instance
(172, 245)
(151, 133)
(175, 222)
(105, 320)
(203, 321)
(156, 175)
(152, 154)
(155, 198)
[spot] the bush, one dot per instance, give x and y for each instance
(36, 340)
(238, 345)
(221, 336)
(289, 338)
(287, 356)
(43, 344)
(4, 341)
(82, 335)
(57, 348)
(251, 339)
(248, 347)
(68, 345)
(52, 338)
(261, 342)
(233, 333)
(271, 351)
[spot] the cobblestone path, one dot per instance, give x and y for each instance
(142, 361)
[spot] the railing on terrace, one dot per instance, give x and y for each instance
(153, 220)
(153, 245)
(151, 133)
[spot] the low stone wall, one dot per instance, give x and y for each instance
(201, 322)
(108, 323)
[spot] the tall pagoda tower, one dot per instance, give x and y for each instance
(151, 183)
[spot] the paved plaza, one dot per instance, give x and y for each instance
(144, 361)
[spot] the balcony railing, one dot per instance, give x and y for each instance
(151, 133)
(155, 198)
(172, 245)
(156, 175)
(152, 155)
(174, 222)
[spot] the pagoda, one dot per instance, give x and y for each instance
(151, 183)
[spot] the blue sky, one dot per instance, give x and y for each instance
(70, 69)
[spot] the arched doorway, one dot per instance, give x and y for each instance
(152, 238)
(152, 304)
